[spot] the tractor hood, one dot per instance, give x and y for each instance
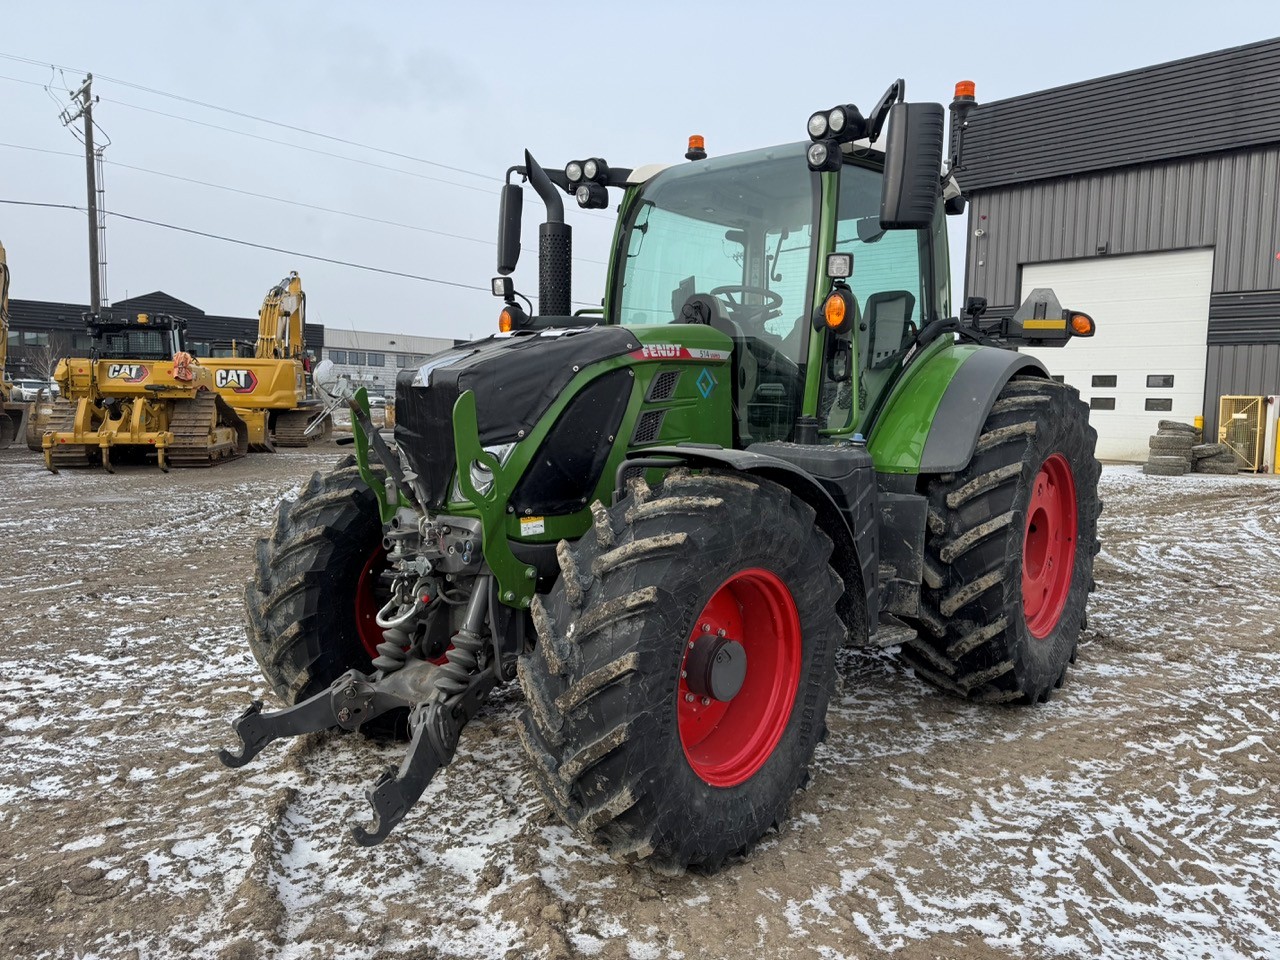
(515, 379)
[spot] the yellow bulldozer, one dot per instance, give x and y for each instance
(12, 414)
(139, 394)
(267, 383)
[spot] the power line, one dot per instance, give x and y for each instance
(250, 116)
(296, 146)
(274, 199)
(590, 214)
(250, 243)
(267, 247)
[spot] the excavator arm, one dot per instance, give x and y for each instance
(281, 319)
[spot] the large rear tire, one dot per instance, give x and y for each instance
(311, 603)
(683, 666)
(1009, 551)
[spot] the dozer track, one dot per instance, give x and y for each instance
(9, 427)
(291, 425)
(205, 431)
(62, 419)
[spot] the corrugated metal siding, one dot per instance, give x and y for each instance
(1242, 369)
(1227, 201)
(1215, 101)
(1241, 318)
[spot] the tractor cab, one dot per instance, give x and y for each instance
(820, 261)
(735, 242)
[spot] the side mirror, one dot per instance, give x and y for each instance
(912, 165)
(509, 212)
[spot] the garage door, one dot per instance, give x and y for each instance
(1147, 360)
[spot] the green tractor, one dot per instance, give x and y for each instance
(664, 517)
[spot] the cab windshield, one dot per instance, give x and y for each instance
(739, 228)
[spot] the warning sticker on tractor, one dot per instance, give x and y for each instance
(531, 525)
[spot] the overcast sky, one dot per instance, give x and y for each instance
(470, 86)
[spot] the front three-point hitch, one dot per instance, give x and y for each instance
(441, 697)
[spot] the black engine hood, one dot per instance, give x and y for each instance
(515, 380)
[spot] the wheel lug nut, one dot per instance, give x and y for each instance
(706, 701)
(706, 628)
(684, 674)
(720, 632)
(688, 698)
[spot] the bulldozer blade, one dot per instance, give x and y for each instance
(106, 460)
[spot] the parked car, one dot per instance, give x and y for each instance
(31, 389)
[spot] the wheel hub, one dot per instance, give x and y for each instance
(716, 667)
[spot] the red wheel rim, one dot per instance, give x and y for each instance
(1049, 546)
(367, 604)
(727, 742)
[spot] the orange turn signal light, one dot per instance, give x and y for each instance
(506, 322)
(833, 311)
(966, 89)
(838, 312)
(1082, 325)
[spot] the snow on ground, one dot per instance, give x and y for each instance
(1136, 815)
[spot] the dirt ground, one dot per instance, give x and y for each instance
(1136, 815)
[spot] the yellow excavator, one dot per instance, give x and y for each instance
(140, 392)
(267, 384)
(12, 414)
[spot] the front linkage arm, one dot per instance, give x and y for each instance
(441, 697)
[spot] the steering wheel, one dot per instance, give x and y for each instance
(743, 312)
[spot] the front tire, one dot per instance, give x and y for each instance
(311, 604)
(641, 739)
(1009, 551)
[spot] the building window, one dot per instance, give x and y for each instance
(15, 338)
(1160, 404)
(338, 356)
(30, 339)
(1102, 403)
(1104, 381)
(376, 360)
(1058, 378)
(355, 358)
(1160, 381)
(81, 341)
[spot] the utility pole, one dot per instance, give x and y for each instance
(84, 108)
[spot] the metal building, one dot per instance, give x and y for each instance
(1150, 199)
(41, 332)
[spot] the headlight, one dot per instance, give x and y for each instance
(836, 119)
(817, 126)
(590, 169)
(573, 171)
(824, 155)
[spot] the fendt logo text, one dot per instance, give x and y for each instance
(240, 381)
(128, 372)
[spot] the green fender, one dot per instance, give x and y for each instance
(931, 420)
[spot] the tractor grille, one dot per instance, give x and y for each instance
(648, 427)
(663, 386)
